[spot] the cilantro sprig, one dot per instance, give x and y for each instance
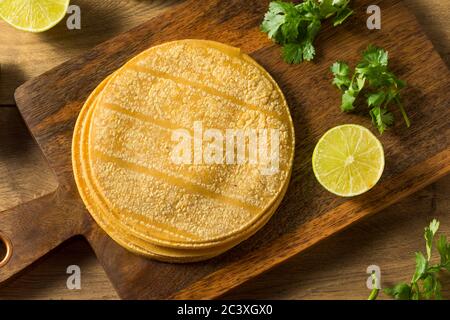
(295, 26)
(425, 283)
(382, 87)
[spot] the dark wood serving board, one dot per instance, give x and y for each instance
(415, 157)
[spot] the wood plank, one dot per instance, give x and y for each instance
(26, 55)
(24, 172)
(290, 244)
(433, 16)
(334, 269)
(47, 279)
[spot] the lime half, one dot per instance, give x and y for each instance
(348, 160)
(33, 15)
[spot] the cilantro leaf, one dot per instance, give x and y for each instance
(293, 53)
(342, 15)
(430, 231)
(340, 3)
(313, 29)
(381, 118)
(444, 250)
(428, 286)
(376, 99)
(375, 56)
(274, 19)
(372, 74)
(327, 8)
(431, 287)
(360, 82)
(350, 94)
(308, 51)
(291, 23)
(341, 72)
(295, 26)
(297, 52)
(348, 98)
(401, 291)
(421, 266)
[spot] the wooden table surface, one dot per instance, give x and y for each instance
(334, 269)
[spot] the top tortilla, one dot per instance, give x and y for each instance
(169, 87)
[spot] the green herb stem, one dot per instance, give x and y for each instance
(373, 294)
(402, 110)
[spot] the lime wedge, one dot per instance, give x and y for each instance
(348, 160)
(33, 15)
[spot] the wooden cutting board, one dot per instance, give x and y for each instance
(415, 157)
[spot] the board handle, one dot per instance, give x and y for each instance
(32, 229)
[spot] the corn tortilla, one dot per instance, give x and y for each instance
(122, 136)
(119, 235)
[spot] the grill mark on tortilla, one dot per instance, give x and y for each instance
(205, 88)
(164, 124)
(177, 182)
(143, 117)
(159, 226)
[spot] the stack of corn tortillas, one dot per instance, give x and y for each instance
(124, 147)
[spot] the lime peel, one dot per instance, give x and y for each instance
(348, 160)
(33, 15)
